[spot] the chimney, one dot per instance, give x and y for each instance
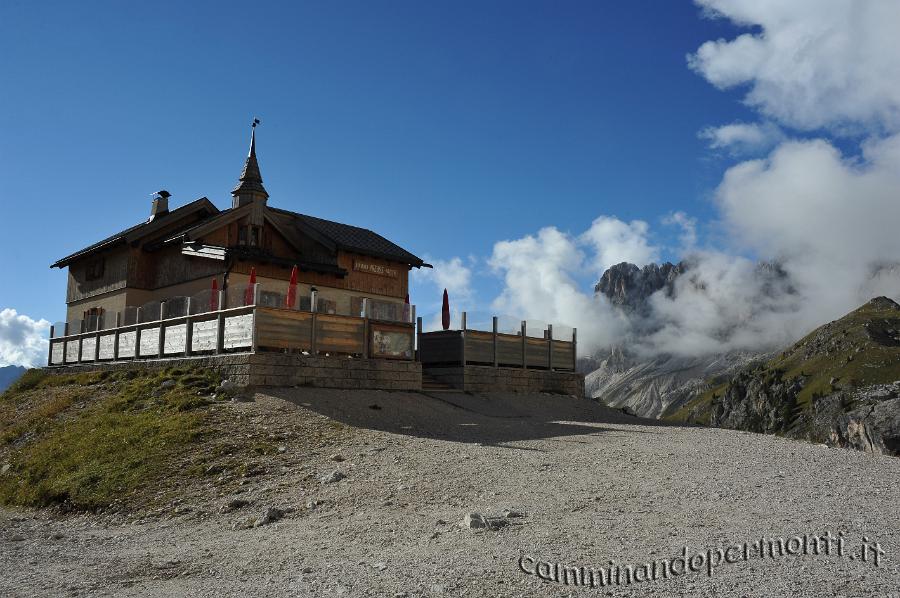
(160, 206)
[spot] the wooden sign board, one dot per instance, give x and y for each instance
(392, 344)
(375, 269)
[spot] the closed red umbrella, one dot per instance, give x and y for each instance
(445, 311)
(248, 295)
(214, 296)
(291, 298)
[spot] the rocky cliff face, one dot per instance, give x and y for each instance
(839, 385)
(628, 286)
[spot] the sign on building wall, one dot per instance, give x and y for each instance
(389, 343)
(375, 269)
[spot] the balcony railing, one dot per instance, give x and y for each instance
(215, 323)
(534, 345)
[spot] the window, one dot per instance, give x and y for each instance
(94, 270)
(250, 236)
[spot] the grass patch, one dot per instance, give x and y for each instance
(127, 435)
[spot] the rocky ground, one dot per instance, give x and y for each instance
(554, 480)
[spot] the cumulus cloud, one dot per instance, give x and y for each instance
(23, 341)
(540, 272)
(615, 241)
(740, 139)
(812, 64)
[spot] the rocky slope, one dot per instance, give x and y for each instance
(589, 485)
(840, 384)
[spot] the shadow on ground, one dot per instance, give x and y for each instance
(489, 419)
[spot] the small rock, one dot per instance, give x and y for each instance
(337, 457)
(227, 386)
(475, 521)
(282, 449)
(4, 469)
(334, 476)
(16, 538)
(270, 515)
(509, 513)
(167, 384)
(234, 504)
(380, 566)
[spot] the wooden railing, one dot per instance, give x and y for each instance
(476, 347)
(251, 328)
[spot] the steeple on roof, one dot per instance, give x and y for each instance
(250, 184)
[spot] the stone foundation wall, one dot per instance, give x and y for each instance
(276, 369)
(477, 378)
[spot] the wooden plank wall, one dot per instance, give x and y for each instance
(444, 347)
(340, 334)
(283, 329)
(509, 350)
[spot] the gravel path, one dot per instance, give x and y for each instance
(592, 485)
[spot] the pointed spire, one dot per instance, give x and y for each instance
(250, 184)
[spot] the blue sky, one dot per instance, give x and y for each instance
(444, 126)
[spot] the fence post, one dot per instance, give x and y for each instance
(574, 349)
(462, 338)
(418, 339)
(161, 346)
(50, 345)
(256, 292)
(116, 336)
(220, 329)
(365, 307)
(496, 358)
(188, 330)
(97, 342)
(524, 349)
(550, 347)
(313, 299)
(137, 333)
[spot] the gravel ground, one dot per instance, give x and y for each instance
(591, 484)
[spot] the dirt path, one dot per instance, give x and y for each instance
(593, 486)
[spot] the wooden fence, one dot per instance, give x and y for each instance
(250, 328)
(476, 347)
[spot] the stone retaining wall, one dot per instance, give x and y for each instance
(276, 369)
(478, 378)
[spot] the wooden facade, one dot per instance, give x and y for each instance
(179, 253)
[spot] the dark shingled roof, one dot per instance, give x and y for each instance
(131, 232)
(356, 239)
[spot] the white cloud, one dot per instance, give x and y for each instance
(540, 274)
(688, 226)
(615, 241)
(813, 64)
(23, 341)
(453, 275)
(830, 220)
(743, 138)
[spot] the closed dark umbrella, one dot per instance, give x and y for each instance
(214, 296)
(445, 311)
(248, 296)
(291, 298)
